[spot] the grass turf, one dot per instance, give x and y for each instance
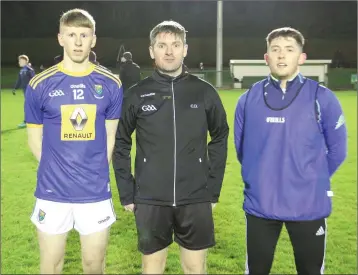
(20, 253)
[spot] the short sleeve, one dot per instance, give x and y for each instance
(33, 107)
(115, 107)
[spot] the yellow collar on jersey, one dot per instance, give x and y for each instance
(84, 73)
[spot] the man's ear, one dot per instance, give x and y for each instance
(151, 52)
(185, 49)
(94, 41)
(60, 39)
(302, 58)
(266, 58)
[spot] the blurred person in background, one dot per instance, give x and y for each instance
(129, 72)
(23, 79)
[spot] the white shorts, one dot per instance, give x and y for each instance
(86, 218)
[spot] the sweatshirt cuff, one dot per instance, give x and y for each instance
(126, 201)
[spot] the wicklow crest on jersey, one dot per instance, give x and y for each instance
(99, 91)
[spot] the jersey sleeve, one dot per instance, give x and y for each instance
(115, 107)
(33, 107)
(334, 128)
(239, 125)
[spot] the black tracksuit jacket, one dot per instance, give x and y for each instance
(174, 165)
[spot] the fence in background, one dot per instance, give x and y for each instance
(339, 78)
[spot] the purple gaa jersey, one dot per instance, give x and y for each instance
(72, 109)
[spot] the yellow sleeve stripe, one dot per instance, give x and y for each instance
(37, 82)
(30, 125)
(109, 75)
(42, 73)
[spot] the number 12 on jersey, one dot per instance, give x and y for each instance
(78, 94)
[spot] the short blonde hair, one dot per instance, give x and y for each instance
(78, 18)
(25, 57)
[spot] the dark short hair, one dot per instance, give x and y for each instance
(286, 32)
(168, 27)
(127, 55)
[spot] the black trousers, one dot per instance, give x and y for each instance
(308, 239)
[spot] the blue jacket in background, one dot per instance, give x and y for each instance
(25, 75)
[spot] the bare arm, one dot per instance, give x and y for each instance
(34, 139)
(111, 129)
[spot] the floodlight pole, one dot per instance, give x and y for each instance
(219, 44)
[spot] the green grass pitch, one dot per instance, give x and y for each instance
(20, 253)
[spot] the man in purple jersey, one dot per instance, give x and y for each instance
(72, 111)
(290, 138)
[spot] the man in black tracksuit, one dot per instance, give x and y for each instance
(129, 72)
(178, 176)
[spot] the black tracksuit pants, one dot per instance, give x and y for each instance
(308, 239)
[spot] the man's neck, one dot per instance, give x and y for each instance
(173, 74)
(283, 81)
(74, 67)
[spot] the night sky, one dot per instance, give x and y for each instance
(134, 19)
(331, 21)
